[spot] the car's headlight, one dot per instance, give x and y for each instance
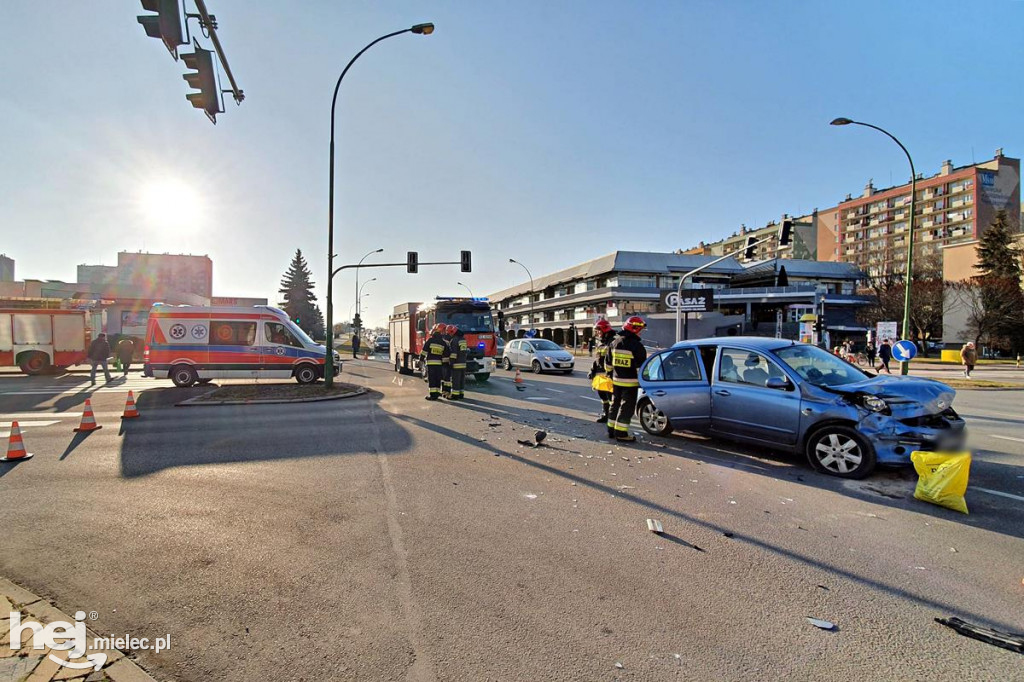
(874, 403)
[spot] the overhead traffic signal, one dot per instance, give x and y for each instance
(785, 232)
(165, 25)
(412, 262)
(204, 80)
(748, 251)
(357, 321)
(467, 261)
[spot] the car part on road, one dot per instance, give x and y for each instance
(655, 526)
(183, 376)
(823, 624)
(1005, 640)
(839, 450)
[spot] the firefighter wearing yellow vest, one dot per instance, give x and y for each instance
(599, 379)
(446, 363)
(624, 356)
(458, 355)
(433, 352)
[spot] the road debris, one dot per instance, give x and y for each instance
(618, 665)
(530, 496)
(823, 624)
(1006, 640)
(655, 526)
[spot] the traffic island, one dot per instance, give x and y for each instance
(252, 394)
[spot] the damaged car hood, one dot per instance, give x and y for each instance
(907, 395)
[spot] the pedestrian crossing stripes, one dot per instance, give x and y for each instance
(136, 385)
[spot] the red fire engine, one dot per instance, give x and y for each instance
(410, 326)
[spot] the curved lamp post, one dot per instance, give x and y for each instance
(467, 289)
(513, 260)
(358, 288)
(421, 29)
(908, 276)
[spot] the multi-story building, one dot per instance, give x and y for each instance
(955, 205)
(6, 268)
(813, 239)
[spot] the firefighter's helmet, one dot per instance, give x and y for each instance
(438, 328)
(635, 324)
(451, 329)
(603, 326)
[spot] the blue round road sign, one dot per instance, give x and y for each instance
(904, 351)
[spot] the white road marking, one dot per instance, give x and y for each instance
(538, 398)
(1016, 440)
(587, 397)
(26, 424)
(37, 415)
(555, 390)
(999, 493)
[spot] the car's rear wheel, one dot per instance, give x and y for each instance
(840, 451)
(654, 420)
(508, 365)
(306, 374)
(183, 376)
(536, 367)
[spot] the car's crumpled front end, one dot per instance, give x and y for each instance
(902, 414)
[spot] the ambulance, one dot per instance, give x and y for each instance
(194, 344)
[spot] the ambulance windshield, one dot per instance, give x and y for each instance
(301, 334)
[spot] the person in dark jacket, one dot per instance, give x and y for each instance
(623, 357)
(604, 328)
(99, 351)
(884, 356)
(355, 344)
(433, 352)
(870, 352)
(458, 354)
(592, 343)
(125, 353)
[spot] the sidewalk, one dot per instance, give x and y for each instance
(27, 664)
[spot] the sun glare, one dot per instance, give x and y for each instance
(171, 203)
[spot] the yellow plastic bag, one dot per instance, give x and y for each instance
(942, 478)
(602, 382)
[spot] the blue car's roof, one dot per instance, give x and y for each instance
(746, 342)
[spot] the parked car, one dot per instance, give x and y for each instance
(799, 398)
(382, 344)
(540, 355)
(499, 346)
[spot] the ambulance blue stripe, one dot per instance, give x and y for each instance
(289, 351)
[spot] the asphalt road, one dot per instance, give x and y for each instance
(386, 537)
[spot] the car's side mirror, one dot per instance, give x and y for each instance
(778, 383)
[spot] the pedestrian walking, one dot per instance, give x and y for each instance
(884, 356)
(869, 351)
(458, 355)
(125, 353)
(355, 344)
(968, 358)
(599, 379)
(624, 355)
(433, 352)
(446, 363)
(593, 340)
(99, 352)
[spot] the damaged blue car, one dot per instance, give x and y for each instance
(798, 398)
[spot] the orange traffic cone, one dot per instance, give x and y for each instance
(519, 377)
(88, 419)
(130, 411)
(15, 448)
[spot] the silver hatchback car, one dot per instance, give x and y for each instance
(540, 355)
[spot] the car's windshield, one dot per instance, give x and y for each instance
(467, 319)
(544, 344)
(818, 366)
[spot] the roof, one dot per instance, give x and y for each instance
(625, 261)
(742, 342)
(805, 268)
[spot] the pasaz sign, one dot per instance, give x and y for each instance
(691, 300)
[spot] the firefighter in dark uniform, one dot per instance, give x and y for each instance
(624, 356)
(433, 352)
(604, 329)
(446, 363)
(459, 353)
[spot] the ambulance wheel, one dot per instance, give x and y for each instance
(508, 365)
(183, 376)
(306, 374)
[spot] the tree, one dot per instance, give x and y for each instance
(927, 296)
(299, 299)
(999, 282)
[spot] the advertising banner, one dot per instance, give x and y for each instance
(692, 301)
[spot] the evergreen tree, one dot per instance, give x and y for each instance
(1000, 283)
(299, 299)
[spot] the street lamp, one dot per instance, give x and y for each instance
(359, 298)
(467, 289)
(357, 274)
(513, 260)
(421, 29)
(904, 367)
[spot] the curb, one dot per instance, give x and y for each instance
(117, 667)
(198, 402)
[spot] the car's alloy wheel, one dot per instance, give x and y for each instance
(536, 367)
(654, 420)
(840, 451)
(508, 365)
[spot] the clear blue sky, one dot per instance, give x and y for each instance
(551, 132)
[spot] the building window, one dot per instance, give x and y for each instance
(637, 281)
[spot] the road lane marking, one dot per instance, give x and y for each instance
(587, 397)
(23, 424)
(1016, 440)
(999, 493)
(555, 390)
(538, 398)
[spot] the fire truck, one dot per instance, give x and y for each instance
(42, 340)
(410, 326)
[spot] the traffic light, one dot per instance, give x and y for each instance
(165, 25)
(412, 262)
(748, 251)
(357, 321)
(467, 261)
(204, 80)
(785, 232)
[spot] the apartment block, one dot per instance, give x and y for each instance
(814, 238)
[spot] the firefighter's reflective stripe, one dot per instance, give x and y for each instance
(632, 383)
(622, 358)
(436, 348)
(433, 362)
(459, 365)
